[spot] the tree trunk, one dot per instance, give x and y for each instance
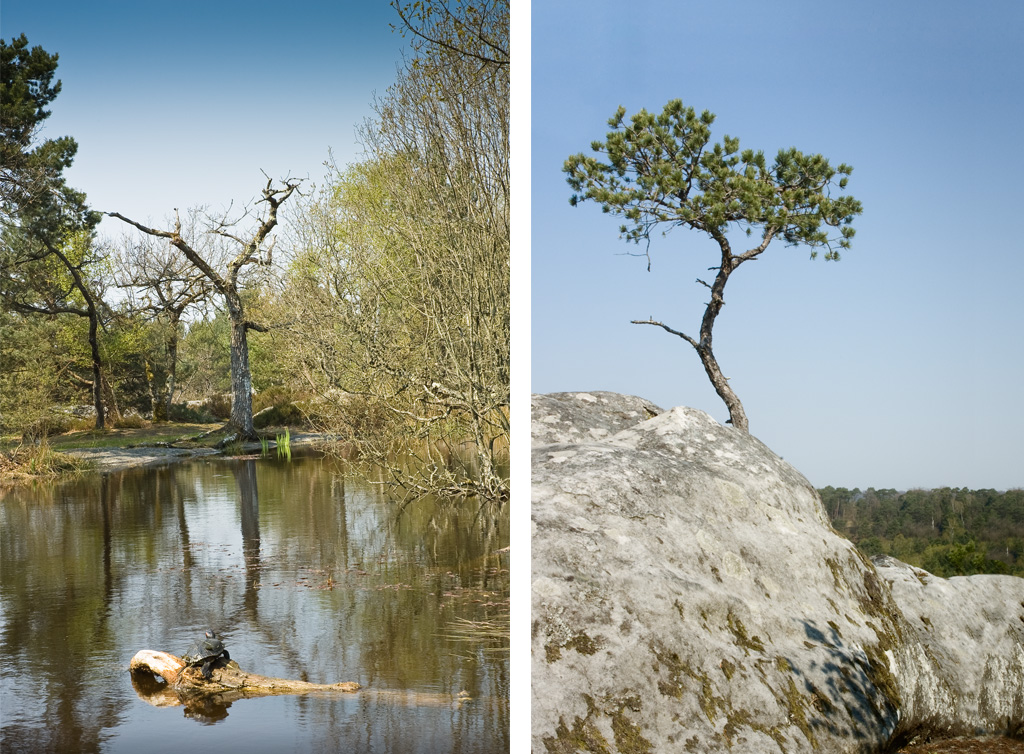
(97, 386)
(241, 375)
(92, 312)
(172, 366)
(737, 416)
(154, 411)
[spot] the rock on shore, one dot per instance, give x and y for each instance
(689, 594)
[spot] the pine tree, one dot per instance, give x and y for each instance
(661, 171)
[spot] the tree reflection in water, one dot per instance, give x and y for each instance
(307, 574)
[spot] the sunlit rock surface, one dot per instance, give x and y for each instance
(961, 666)
(689, 594)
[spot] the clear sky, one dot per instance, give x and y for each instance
(901, 365)
(183, 103)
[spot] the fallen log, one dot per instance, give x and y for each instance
(227, 682)
(163, 680)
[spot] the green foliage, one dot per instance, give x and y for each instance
(283, 415)
(34, 192)
(401, 289)
(47, 426)
(129, 421)
(947, 531)
(219, 405)
(284, 444)
(235, 448)
(30, 362)
(663, 169)
(182, 412)
(27, 87)
(131, 350)
(204, 366)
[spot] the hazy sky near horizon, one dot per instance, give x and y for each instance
(184, 104)
(900, 366)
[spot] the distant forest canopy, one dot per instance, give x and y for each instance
(947, 531)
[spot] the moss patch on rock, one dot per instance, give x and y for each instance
(739, 632)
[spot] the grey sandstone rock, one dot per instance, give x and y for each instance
(575, 417)
(960, 668)
(689, 594)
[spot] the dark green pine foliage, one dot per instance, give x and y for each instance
(662, 170)
(32, 187)
(44, 223)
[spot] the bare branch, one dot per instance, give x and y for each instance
(461, 30)
(665, 327)
(143, 228)
(769, 234)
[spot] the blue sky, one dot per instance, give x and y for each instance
(899, 366)
(183, 104)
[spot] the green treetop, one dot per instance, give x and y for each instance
(32, 187)
(662, 170)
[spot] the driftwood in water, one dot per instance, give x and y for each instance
(209, 700)
(227, 683)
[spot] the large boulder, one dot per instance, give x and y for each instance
(960, 665)
(689, 594)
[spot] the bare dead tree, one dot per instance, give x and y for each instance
(162, 285)
(255, 247)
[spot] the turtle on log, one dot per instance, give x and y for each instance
(206, 652)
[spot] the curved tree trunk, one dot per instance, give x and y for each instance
(737, 416)
(94, 345)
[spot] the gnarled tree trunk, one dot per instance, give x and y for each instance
(252, 250)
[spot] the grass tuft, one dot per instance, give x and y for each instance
(30, 461)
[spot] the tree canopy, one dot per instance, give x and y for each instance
(47, 259)
(381, 317)
(403, 275)
(32, 186)
(662, 171)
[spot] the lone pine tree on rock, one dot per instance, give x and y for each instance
(661, 170)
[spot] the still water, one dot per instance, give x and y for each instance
(305, 572)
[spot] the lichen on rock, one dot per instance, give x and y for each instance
(683, 566)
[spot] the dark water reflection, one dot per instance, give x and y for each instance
(306, 573)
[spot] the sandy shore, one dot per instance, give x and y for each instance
(112, 459)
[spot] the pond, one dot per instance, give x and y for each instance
(305, 572)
